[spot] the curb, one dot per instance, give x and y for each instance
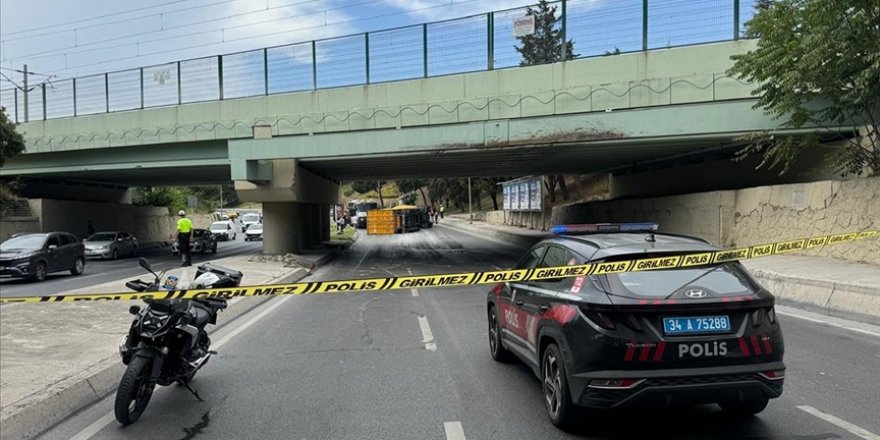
(848, 301)
(47, 408)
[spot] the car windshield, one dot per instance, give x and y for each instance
(219, 226)
(24, 242)
(723, 280)
(250, 218)
(102, 236)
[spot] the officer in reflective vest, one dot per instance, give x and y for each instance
(184, 231)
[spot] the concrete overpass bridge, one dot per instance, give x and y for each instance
(291, 150)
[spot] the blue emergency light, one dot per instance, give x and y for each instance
(600, 228)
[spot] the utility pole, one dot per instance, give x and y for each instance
(470, 202)
(25, 92)
(221, 196)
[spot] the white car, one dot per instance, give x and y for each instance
(254, 232)
(249, 219)
(223, 230)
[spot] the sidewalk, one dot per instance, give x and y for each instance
(58, 358)
(821, 284)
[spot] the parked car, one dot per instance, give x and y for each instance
(254, 232)
(36, 255)
(111, 245)
(249, 219)
(224, 230)
(201, 241)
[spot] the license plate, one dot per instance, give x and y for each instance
(696, 325)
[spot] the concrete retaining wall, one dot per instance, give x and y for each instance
(149, 224)
(14, 225)
(755, 215)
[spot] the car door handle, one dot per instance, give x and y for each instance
(519, 302)
(544, 307)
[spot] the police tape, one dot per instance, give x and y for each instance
(473, 278)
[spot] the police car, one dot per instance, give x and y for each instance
(694, 335)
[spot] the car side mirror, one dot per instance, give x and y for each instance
(145, 264)
(53, 247)
(134, 310)
(120, 239)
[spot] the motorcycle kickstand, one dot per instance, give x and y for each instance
(194, 392)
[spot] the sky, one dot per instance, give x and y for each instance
(61, 39)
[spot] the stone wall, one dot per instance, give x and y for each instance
(782, 212)
(14, 225)
(755, 215)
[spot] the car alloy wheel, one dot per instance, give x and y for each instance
(552, 385)
(40, 272)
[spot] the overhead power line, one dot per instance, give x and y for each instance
(83, 20)
(253, 36)
(54, 52)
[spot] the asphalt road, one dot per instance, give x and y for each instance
(414, 364)
(102, 271)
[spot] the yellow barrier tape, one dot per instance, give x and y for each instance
(472, 278)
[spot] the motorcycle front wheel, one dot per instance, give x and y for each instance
(134, 391)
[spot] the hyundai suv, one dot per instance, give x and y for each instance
(705, 333)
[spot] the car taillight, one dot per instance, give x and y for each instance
(614, 384)
(599, 319)
(497, 289)
(773, 374)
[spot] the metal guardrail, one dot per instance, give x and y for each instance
(474, 43)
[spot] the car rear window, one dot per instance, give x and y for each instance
(725, 279)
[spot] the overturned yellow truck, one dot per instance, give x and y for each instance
(397, 220)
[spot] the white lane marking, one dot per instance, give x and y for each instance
(789, 312)
(93, 429)
(99, 424)
(415, 292)
(454, 431)
(840, 423)
(427, 336)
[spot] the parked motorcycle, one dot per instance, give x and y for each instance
(167, 341)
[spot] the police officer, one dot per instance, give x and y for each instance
(184, 231)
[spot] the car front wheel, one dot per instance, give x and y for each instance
(78, 266)
(555, 383)
(40, 272)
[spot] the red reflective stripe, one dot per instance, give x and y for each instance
(659, 353)
(744, 347)
(643, 301)
(756, 346)
(643, 356)
(657, 301)
(630, 352)
(725, 299)
(670, 301)
(767, 347)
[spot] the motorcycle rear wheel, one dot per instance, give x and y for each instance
(134, 391)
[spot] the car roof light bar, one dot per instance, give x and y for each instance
(601, 228)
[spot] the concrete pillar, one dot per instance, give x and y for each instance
(282, 227)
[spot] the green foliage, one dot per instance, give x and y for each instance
(172, 198)
(409, 198)
(545, 45)
(11, 141)
(817, 64)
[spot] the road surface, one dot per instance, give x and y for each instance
(415, 364)
(102, 271)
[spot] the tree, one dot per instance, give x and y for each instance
(366, 186)
(412, 185)
(11, 141)
(551, 182)
(817, 64)
(545, 44)
(490, 186)
(172, 198)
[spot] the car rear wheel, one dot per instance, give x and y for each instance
(214, 248)
(555, 383)
(78, 266)
(115, 254)
(499, 353)
(40, 272)
(747, 408)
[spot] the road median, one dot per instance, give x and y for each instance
(57, 362)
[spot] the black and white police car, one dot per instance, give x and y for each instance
(694, 335)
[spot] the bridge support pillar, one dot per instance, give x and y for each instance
(296, 205)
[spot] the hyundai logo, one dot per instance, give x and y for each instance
(695, 293)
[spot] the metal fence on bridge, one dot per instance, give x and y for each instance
(468, 44)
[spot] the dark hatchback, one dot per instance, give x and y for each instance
(37, 255)
(695, 335)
